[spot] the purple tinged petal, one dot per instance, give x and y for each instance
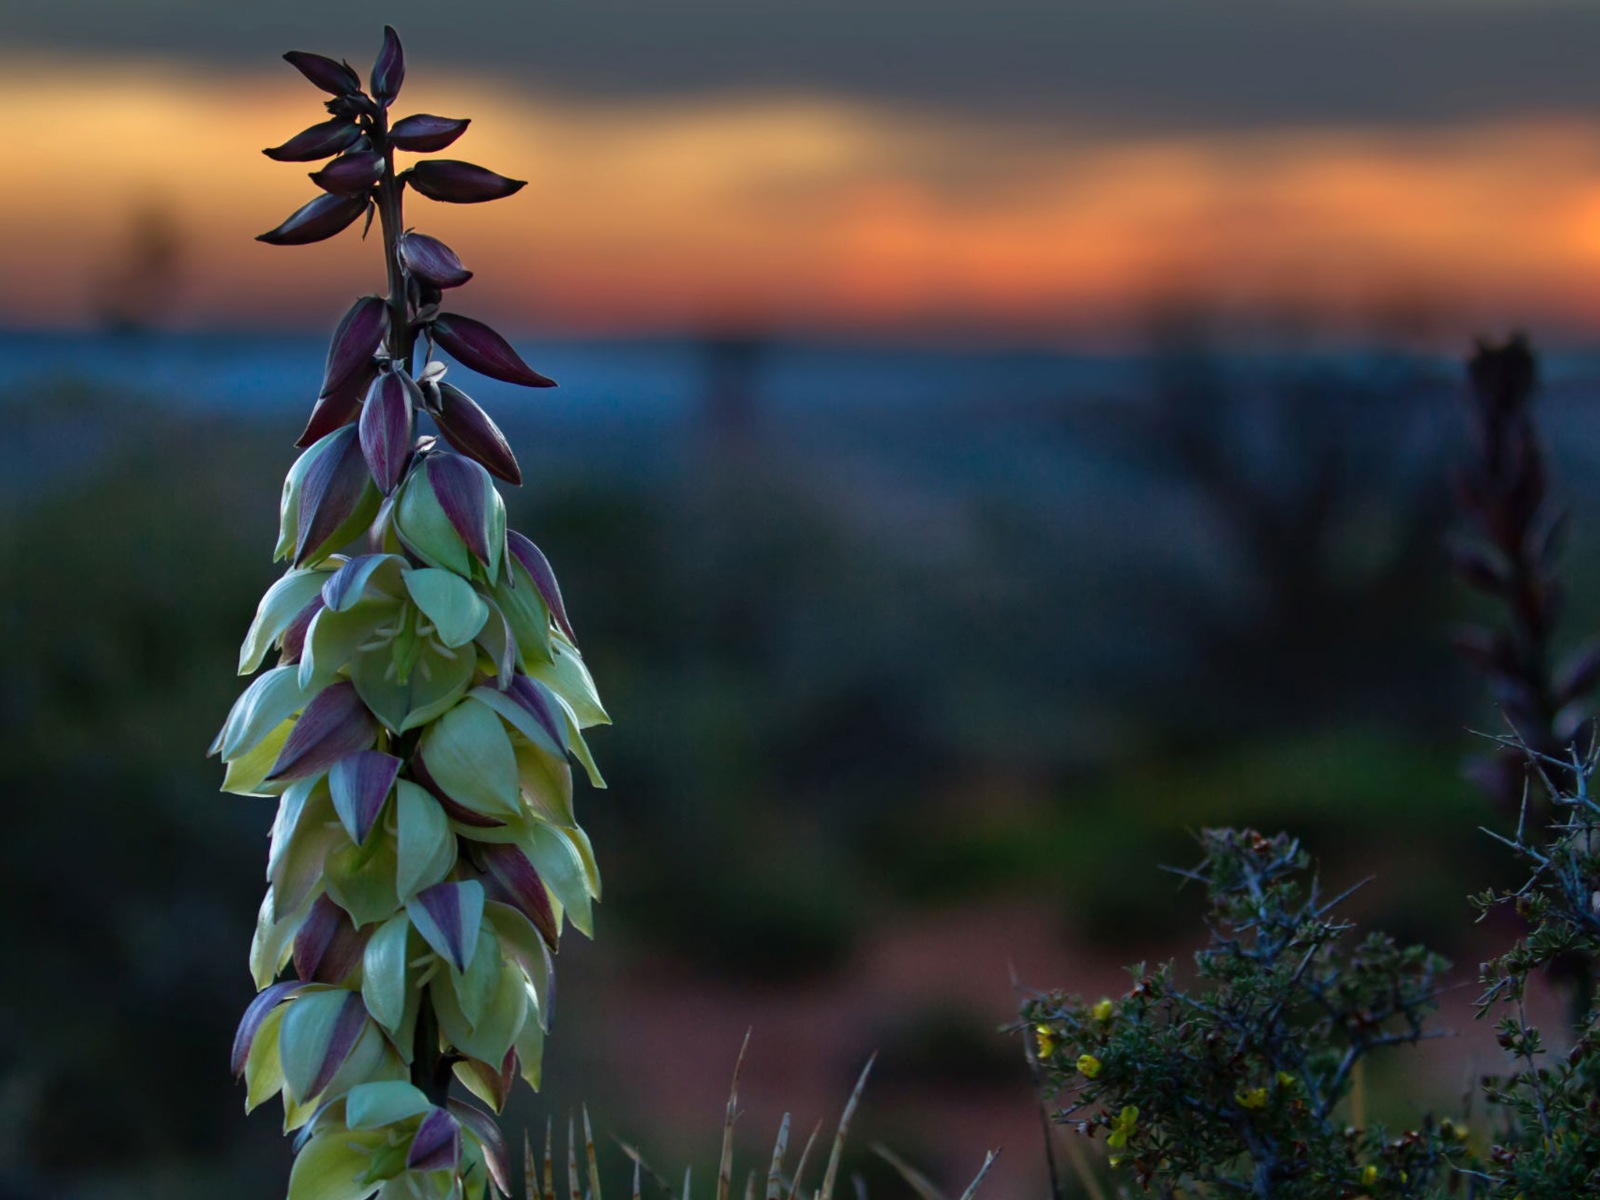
(351, 174)
(330, 492)
(318, 142)
(334, 77)
(254, 1016)
(334, 725)
(344, 587)
(460, 485)
(389, 72)
(448, 916)
(386, 423)
(513, 879)
(538, 568)
(437, 1144)
(532, 697)
(485, 351)
(431, 261)
(426, 133)
(294, 637)
(328, 946)
(360, 784)
(336, 409)
(470, 430)
(459, 813)
(487, 1131)
(361, 331)
(317, 221)
(346, 1029)
(455, 182)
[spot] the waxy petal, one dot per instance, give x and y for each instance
(484, 1128)
(320, 141)
(451, 604)
(426, 133)
(426, 849)
(335, 409)
(351, 174)
(437, 1145)
(485, 351)
(531, 710)
(328, 946)
(360, 332)
(331, 494)
(386, 426)
(374, 1105)
(455, 182)
(389, 72)
(347, 586)
(469, 429)
(512, 879)
(334, 77)
(250, 1023)
(470, 759)
(458, 813)
(316, 221)
(537, 566)
(431, 261)
(462, 489)
(359, 785)
(334, 725)
(294, 637)
(448, 916)
(319, 1031)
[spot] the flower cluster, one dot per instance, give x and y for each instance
(1231, 1086)
(419, 722)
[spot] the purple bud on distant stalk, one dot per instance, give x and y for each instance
(338, 407)
(457, 812)
(386, 424)
(250, 1024)
(487, 1131)
(469, 429)
(538, 567)
(359, 785)
(389, 72)
(485, 351)
(456, 182)
(320, 141)
(335, 78)
(328, 946)
(334, 725)
(331, 491)
(317, 221)
(460, 486)
(361, 331)
(437, 1144)
(351, 174)
(427, 134)
(294, 637)
(512, 879)
(430, 260)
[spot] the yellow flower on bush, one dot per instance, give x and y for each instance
(1045, 1040)
(1369, 1175)
(1122, 1126)
(1102, 1011)
(1089, 1065)
(1252, 1098)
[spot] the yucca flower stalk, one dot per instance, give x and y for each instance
(418, 723)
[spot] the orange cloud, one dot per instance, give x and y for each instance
(802, 211)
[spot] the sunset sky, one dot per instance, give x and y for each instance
(1042, 170)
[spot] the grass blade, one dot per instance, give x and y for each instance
(832, 1174)
(800, 1167)
(919, 1183)
(594, 1164)
(775, 1171)
(725, 1164)
(972, 1188)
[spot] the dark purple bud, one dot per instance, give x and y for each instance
(535, 699)
(461, 487)
(487, 1131)
(437, 1144)
(511, 878)
(350, 174)
(538, 567)
(335, 409)
(457, 182)
(1485, 649)
(425, 133)
(294, 637)
(360, 784)
(469, 429)
(320, 141)
(335, 78)
(456, 812)
(360, 332)
(250, 1024)
(1477, 567)
(347, 1028)
(484, 350)
(448, 916)
(431, 261)
(332, 489)
(317, 221)
(333, 726)
(389, 72)
(386, 423)
(328, 946)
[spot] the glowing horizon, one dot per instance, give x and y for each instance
(805, 212)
